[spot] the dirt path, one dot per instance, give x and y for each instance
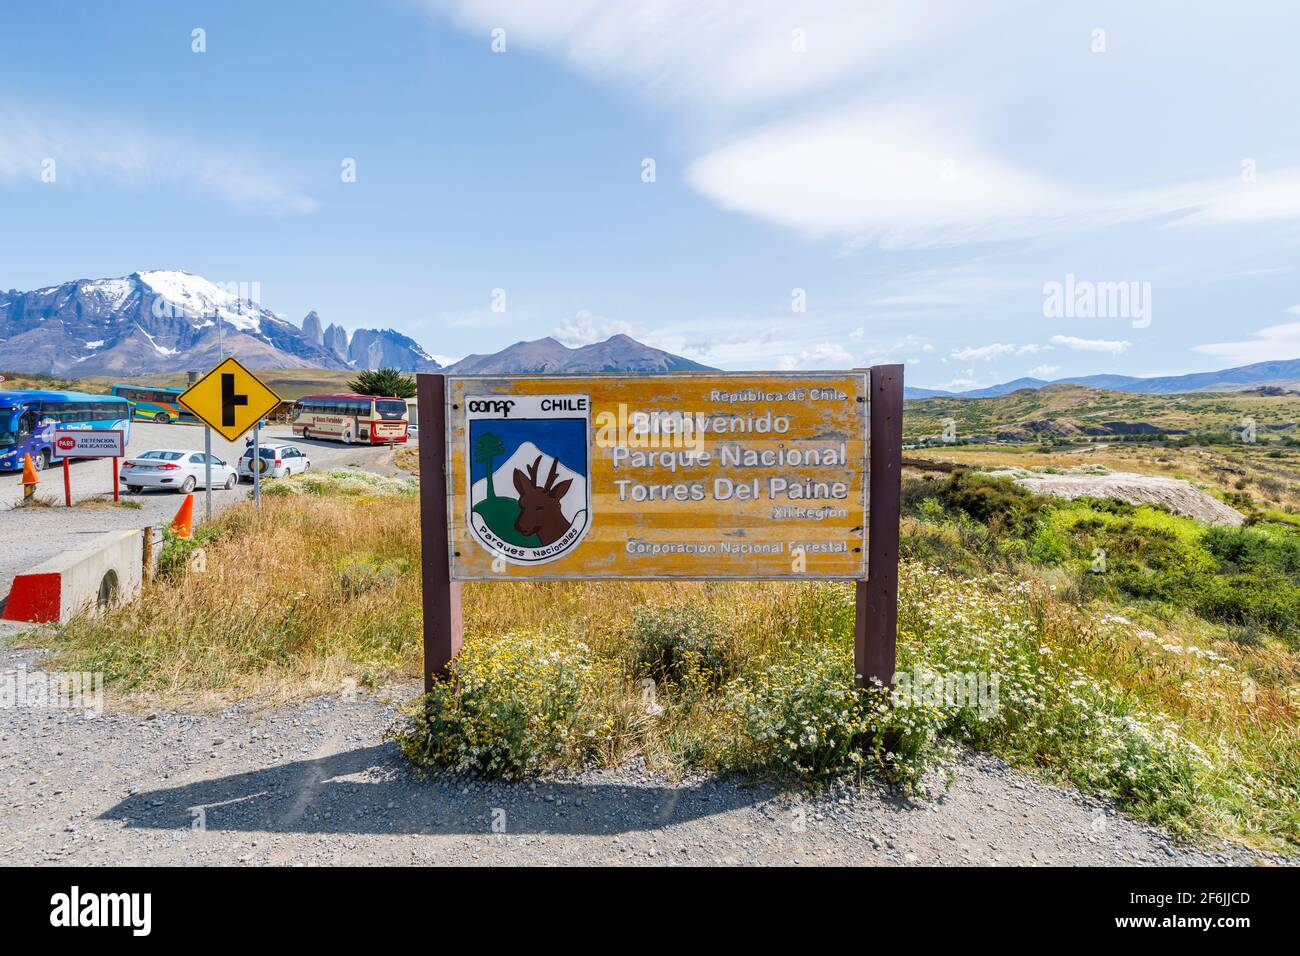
(316, 784)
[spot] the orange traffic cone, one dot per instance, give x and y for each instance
(29, 477)
(184, 517)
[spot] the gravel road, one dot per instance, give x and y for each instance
(316, 784)
(34, 535)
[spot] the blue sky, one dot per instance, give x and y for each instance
(921, 171)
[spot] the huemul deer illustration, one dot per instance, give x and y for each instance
(539, 505)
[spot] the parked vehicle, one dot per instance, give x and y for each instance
(349, 417)
(156, 404)
(278, 460)
(28, 418)
(176, 469)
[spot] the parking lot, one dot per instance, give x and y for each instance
(35, 534)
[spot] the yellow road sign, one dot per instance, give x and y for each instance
(230, 398)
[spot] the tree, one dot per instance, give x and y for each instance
(384, 381)
(486, 448)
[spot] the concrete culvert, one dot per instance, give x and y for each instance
(107, 589)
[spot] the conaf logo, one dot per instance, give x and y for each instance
(529, 500)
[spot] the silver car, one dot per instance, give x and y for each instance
(175, 469)
(278, 460)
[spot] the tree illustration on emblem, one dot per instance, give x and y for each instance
(486, 448)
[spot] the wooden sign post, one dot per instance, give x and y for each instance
(741, 476)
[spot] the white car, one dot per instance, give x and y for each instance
(176, 469)
(279, 460)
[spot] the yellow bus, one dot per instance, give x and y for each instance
(349, 417)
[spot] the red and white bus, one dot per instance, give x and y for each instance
(349, 417)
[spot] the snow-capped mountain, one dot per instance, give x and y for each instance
(160, 321)
(171, 321)
(387, 348)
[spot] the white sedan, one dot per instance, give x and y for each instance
(176, 469)
(278, 460)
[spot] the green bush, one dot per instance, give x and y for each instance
(1259, 599)
(340, 481)
(519, 703)
(1259, 547)
(666, 642)
(999, 503)
(367, 571)
(803, 716)
(177, 552)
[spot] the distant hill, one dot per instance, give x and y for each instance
(1284, 372)
(1077, 412)
(619, 353)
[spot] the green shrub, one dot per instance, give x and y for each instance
(667, 642)
(1045, 711)
(341, 481)
(1258, 547)
(177, 552)
(1259, 599)
(367, 571)
(519, 703)
(803, 716)
(999, 503)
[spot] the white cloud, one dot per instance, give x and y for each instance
(1276, 342)
(986, 353)
(902, 133)
(1111, 346)
(1043, 371)
(713, 54)
(92, 151)
(827, 355)
(585, 328)
(882, 173)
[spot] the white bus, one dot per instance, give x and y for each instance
(349, 417)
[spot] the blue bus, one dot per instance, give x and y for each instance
(155, 403)
(28, 419)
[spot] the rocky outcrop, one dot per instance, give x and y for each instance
(311, 329)
(1179, 496)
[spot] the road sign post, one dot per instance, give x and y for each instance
(207, 473)
(256, 467)
(231, 400)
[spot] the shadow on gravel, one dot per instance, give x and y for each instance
(369, 790)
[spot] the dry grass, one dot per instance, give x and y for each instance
(281, 605)
(321, 589)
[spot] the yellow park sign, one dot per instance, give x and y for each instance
(230, 399)
(658, 476)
